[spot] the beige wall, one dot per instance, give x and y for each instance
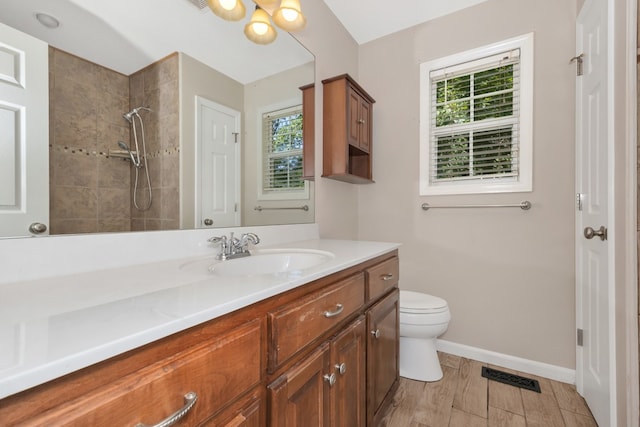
(270, 91)
(507, 274)
(197, 79)
(336, 53)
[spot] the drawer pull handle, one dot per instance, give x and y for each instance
(189, 400)
(331, 379)
(338, 310)
(386, 277)
(342, 368)
(376, 333)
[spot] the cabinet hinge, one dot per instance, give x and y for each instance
(579, 337)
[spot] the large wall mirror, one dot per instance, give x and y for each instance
(160, 116)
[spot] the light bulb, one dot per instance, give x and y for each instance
(228, 4)
(260, 28)
(290, 14)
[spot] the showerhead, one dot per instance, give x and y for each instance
(129, 115)
(124, 146)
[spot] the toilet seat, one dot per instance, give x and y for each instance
(419, 303)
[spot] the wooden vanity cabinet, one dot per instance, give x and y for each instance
(155, 392)
(305, 357)
(347, 130)
(382, 355)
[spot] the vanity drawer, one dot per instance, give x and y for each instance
(382, 277)
(218, 372)
(299, 323)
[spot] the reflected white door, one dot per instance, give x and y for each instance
(595, 357)
(24, 132)
(218, 153)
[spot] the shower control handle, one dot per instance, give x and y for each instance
(38, 228)
(208, 221)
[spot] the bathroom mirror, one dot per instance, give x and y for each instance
(186, 65)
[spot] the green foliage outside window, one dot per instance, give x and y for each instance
(285, 153)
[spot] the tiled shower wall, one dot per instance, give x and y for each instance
(156, 87)
(90, 191)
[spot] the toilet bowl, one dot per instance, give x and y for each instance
(423, 318)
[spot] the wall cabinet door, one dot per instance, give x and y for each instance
(359, 121)
(382, 353)
(348, 400)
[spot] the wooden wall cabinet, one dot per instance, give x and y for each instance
(347, 130)
(324, 354)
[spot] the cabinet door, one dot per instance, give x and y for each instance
(348, 393)
(353, 120)
(364, 112)
(382, 353)
(300, 396)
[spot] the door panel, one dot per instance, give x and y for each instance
(219, 183)
(594, 358)
(24, 132)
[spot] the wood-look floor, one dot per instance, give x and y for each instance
(463, 398)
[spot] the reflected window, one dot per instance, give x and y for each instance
(282, 153)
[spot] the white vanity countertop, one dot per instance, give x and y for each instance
(51, 327)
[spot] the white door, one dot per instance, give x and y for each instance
(24, 133)
(218, 177)
(595, 357)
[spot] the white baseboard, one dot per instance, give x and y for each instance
(546, 370)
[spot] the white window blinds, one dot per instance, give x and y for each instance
(282, 151)
(474, 123)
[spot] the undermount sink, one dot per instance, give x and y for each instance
(265, 261)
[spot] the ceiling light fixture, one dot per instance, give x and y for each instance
(259, 30)
(47, 20)
(230, 10)
(287, 15)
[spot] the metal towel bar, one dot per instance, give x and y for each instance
(302, 208)
(525, 206)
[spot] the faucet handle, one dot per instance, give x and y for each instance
(251, 237)
(218, 239)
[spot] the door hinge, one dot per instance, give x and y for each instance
(235, 136)
(578, 60)
(579, 337)
(579, 197)
(235, 208)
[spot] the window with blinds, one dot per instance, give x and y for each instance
(474, 137)
(282, 151)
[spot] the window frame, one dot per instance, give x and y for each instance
(469, 60)
(298, 194)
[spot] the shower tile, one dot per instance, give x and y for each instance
(171, 224)
(155, 172)
(73, 226)
(73, 129)
(70, 66)
(170, 209)
(113, 225)
(110, 81)
(73, 202)
(74, 96)
(171, 170)
(111, 107)
(137, 225)
(114, 172)
(153, 225)
(73, 169)
(113, 203)
(109, 134)
(161, 72)
(169, 137)
(142, 197)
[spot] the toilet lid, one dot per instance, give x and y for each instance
(417, 302)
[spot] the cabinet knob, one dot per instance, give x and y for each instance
(361, 121)
(376, 333)
(342, 368)
(331, 379)
(189, 400)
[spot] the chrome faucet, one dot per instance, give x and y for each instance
(232, 247)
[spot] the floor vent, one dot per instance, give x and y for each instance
(511, 379)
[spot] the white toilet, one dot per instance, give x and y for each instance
(423, 318)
